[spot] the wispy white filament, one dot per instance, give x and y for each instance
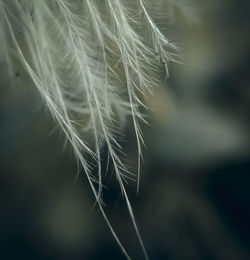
(93, 63)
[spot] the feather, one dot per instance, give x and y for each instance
(188, 10)
(92, 70)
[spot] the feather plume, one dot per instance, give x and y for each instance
(92, 70)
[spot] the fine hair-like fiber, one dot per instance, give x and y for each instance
(93, 62)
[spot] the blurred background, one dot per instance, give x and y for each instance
(194, 199)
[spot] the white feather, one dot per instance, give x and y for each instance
(91, 69)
